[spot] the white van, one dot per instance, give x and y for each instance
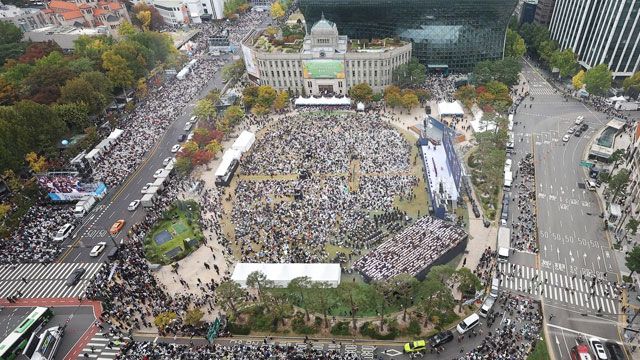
(469, 323)
(579, 120)
(495, 287)
(486, 306)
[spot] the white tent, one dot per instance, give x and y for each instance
(115, 134)
(360, 106)
(615, 99)
(282, 274)
(244, 142)
(301, 101)
(183, 73)
(450, 108)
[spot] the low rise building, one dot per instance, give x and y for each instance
(64, 36)
(26, 19)
(86, 14)
(321, 62)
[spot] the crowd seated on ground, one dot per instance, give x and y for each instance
(412, 250)
(59, 183)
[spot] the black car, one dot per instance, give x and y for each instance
(615, 351)
(182, 137)
(577, 133)
(75, 276)
(440, 339)
(584, 127)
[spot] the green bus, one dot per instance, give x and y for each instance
(14, 343)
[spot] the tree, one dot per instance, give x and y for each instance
(266, 95)
(183, 165)
(351, 294)
(320, 299)
(278, 306)
(156, 21)
(229, 295)
(618, 183)
(79, 90)
(144, 17)
(578, 80)
(392, 96)
(249, 95)
(598, 80)
(259, 110)
(298, 287)
(402, 287)
(468, 282)
(633, 260)
(214, 147)
(213, 96)
(381, 298)
(189, 148)
(10, 45)
(566, 62)
(434, 301)
(361, 93)
(277, 12)
(616, 156)
(201, 157)
(409, 100)
(281, 100)
(74, 115)
(193, 317)
(38, 50)
(233, 71)
(163, 319)
(205, 109)
(117, 69)
(234, 114)
(258, 280)
(514, 46)
(632, 226)
(410, 74)
(36, 163)
(546, 50)
(126, 29)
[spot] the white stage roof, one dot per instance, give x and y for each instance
(435, 161)
(322, 101)
(450, 108)
(282, 274)
(244, 141)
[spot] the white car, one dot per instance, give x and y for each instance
(190, 136)
(157, 173)
(566, 138)
(64, 232)
(175, 148)
(96, 250)
(133, 205)
(188, 126)
(166, 161)
(146, 186)
(193, 119)
(571, 130)
(579, 120)
(598, 349)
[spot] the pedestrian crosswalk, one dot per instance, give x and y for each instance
(37, 280)
(539, 89)
(570, 289)
(101, 348)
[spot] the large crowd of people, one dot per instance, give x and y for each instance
(524, 223)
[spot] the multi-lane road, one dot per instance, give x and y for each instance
(573, 246)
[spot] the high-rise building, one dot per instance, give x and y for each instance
(599, 32)
(446, 34)
(544, 10)
(528, 11)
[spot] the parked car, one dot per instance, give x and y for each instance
(166, 161)
(157, 173)
(133, 205)
(468, 323)
(566, 137)
(116, 227)
(598, 348)
(579, 120)
(415, 346)
(584, 127)
(96, 250)
(440, 339)
(190, 136)
(188, 125)
(75, 276)
(577, 133)
(615, 351)
(64, 232)
(175, 148)
(182, 137)
(571, 130)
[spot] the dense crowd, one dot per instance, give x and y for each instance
(441, 87)
(523, 194)
(59, 183)
(162, 351)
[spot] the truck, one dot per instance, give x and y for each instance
(84, 206)
(159, 183)
(504, 242)
(508, 179)
(152, 190)
(626, 105)
(147, 200)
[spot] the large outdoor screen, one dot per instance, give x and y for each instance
(66, 186)
(323, 69)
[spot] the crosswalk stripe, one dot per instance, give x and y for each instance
(44, 281)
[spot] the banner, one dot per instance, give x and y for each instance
(323, 69)
(66, 186)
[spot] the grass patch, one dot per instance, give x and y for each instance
(420, 204)
(540, 351)
(332, 250)
(180, 223)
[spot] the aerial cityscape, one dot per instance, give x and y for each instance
(319, 179)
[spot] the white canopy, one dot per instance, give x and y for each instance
(227, 159)
(244, 141)
(115, 134)
(615, 99)
(322, 101)
(360, 106)
(450, 108)
(282, 274)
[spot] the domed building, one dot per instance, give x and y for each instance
(321, 62)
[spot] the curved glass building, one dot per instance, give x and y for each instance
(446, 34)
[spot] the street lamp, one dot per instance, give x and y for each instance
(112, 239)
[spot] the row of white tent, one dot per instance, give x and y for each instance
(104, 145)
(242, 144)
(323, 101)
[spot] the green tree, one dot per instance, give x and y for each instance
(434, 300)
(351, 294)
(578, 80)
(402, 287)
(266, 95)
(321, 299)
(361, 93)
(10, 45)
(281, 100)
(631, 85)
(618, 183)
(193, 317)
(632, 260)
(381, 298)
(410, 74)
(164, 319)
(79, 90)
(230, 296)
(234, 114)
(598, 80)
(205, 109)
(515, 46)
(183, 165)
(616, 156)
(279, 307)
(75, 115)
(409, 100)
(258, 280)
(233, 71)
(546, 50)
(277, 12)
(632, 226)
(214, 96)
(250, 95)
(117, 70)
(566, 61)
(298, 288)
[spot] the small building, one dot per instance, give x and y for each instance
(321, 61)
(282, 274)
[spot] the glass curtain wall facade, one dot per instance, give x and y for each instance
(452, 33)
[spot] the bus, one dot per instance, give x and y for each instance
(48, 344)
(14, 343)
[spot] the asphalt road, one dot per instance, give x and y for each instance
(77, 319)
(95, 226)
(571, 236)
